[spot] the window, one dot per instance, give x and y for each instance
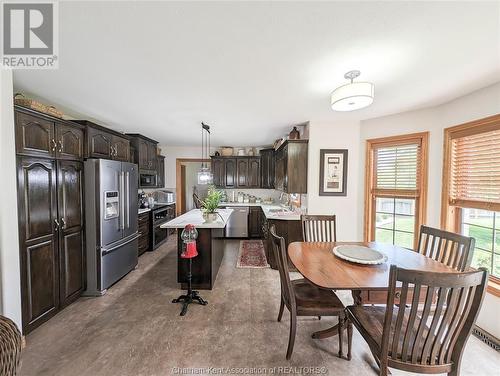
(396, 187)
(471, 188)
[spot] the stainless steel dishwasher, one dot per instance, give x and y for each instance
(237, 226)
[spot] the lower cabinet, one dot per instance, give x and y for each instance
(255, 222)
(143, 228)
(51, 235)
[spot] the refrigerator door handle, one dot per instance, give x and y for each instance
(122, 205)
(105, 251)
(127, 197)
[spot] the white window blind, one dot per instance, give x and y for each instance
(397, 167)
(475, 170)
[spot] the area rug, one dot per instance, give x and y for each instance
(252, 255)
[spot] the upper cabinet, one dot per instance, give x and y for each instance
(236, 172)
(145, 151)
(160, 181)
(267, 168)
(105, 143)
(291, 167)
(40, 135)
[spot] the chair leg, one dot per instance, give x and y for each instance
(341, 336)
(383, 368)
(282, 306)
(291, 338)
(349, 339)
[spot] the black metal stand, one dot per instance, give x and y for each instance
(191, 296)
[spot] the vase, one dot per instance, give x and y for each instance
(209, 217)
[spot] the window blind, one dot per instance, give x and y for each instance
(397, 167)
(475, 170)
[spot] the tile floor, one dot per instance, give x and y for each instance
(135, 330)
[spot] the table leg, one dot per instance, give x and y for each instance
(356, 295)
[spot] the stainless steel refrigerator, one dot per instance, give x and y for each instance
(111, 222)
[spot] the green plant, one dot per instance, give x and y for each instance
(212, 201)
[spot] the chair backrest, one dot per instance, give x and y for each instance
(433, 334)
(447, 247)
(319, 228)
(197, 201)
(279, 249)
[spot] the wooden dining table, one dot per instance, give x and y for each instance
(317, 263)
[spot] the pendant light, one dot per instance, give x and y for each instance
(354, 95)
(205, 175)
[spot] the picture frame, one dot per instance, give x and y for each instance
(333, 172)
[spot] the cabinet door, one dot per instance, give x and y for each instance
(242, 172)
(71, 235)
(98, 143)
(230, 173)
(253, 176)
(160, 182)
(254, 223)
(152, 155)
(34, 136)
(218, 172)
(121, 148)
(69, 141)
(143, 229)
(37, 207)
(279, 179)
(143, 155)
(267, 169)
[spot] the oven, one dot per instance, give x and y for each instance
(147, 179)
(160, 215)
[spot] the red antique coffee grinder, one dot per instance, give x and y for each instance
(188, 236)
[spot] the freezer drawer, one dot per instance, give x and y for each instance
(117, 262)
(237, 226)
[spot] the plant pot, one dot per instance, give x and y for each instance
(209, 217)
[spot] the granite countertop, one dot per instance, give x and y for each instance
(285, 215)
(194, 217)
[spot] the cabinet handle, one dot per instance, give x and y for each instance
(63, 222)
(53, 145)
(56, 222)
(60, 146)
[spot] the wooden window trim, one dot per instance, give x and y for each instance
(370, 176)
(450, 215)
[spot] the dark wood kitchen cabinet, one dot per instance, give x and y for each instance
(160, 166)
(51, 236)
(255, 222)
(236, 172)
(267, 168)
(41, 135)
(143, 229)
(145, 151)
(102, 142)
(291, 167)
(291, 231)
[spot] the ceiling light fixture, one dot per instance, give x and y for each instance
(205, 175)
(354, 95)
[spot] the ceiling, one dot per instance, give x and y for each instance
(251, 70)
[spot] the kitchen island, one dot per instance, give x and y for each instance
(210, 246)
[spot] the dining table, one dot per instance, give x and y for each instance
(319, 265)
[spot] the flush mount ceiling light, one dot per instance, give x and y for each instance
(354, 95)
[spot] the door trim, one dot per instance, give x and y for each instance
(178, 180)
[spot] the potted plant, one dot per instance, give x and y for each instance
(210, 204)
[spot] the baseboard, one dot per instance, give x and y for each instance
(486, 337)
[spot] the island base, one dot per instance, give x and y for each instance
(205, 266)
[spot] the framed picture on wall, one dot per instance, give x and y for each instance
(333, 172)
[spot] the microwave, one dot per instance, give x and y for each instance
(147, 179)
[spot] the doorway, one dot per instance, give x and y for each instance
(187, 183)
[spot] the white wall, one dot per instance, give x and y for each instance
(477, 105)
(10, 285)
(339, 135)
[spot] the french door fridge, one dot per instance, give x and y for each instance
(111, 222)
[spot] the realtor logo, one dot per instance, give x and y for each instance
(29, 35)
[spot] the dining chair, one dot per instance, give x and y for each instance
(197, 202)
(319, 228)
(302, 298)
(451, 249)
(428, 340)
